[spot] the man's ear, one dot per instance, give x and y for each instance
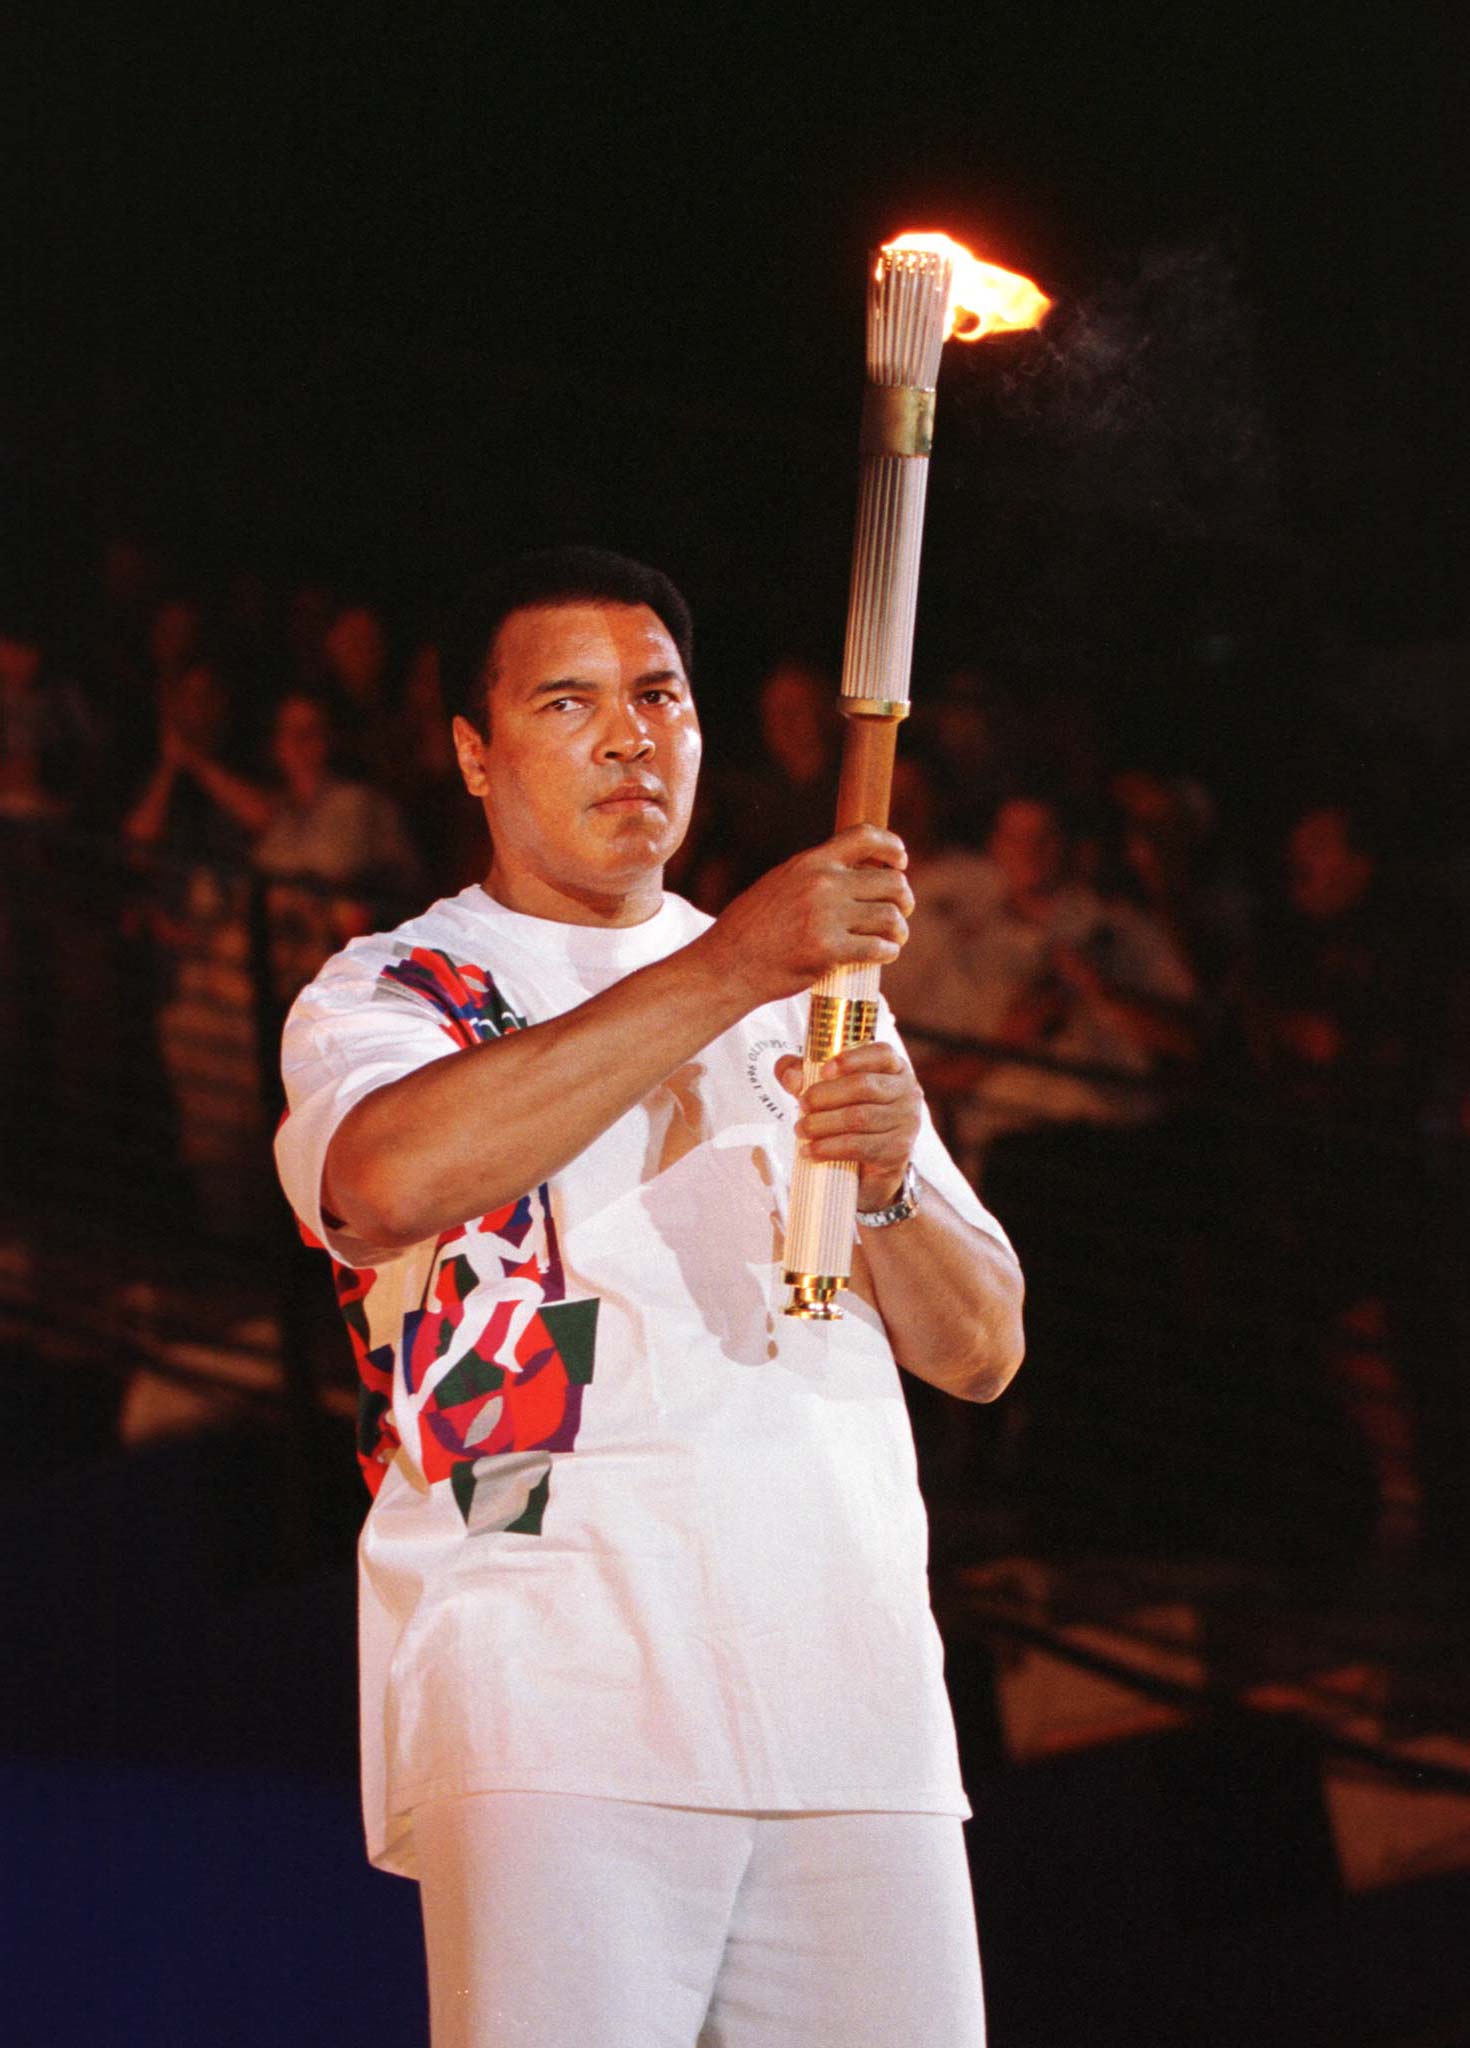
(469, 747)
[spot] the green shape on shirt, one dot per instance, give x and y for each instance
(473, 1375)
(528, 1522)
(462, 1484)
(572, 1326)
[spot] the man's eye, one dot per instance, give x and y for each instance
(659, 695)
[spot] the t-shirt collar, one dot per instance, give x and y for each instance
(589, 950)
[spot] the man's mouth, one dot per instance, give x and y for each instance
(631, 796)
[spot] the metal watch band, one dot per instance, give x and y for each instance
(898, 1211)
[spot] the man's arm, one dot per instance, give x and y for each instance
(949, 1294)
(469, 1133)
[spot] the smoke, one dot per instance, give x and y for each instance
(1144, 399)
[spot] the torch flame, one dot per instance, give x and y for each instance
(982, 299)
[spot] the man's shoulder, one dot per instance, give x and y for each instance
(445, 928)
(464, 932)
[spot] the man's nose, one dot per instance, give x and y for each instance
(626, 736)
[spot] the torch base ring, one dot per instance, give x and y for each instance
(814, 1296)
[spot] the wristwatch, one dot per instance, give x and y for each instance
(900, 1209)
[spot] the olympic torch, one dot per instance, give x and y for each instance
(922, 289)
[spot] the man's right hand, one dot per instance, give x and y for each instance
(840, 904)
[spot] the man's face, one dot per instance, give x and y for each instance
(588, 775)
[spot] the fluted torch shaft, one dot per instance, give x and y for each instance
(907, 303)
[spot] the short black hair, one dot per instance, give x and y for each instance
(550, 576)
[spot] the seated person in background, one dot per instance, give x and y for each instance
(1172, 866)
(971, 727)
(949, 881)
(1347, 1015)
(188, 833)
(322, 829)
(357, 688)
(446, 824)
(1340, 1009)
(1008, 947)
(1078, 1140)
(787, 800)
(50, 985)
(194, 810)
(49, 734)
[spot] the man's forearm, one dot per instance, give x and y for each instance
(950, 1297)
(475, 1130)
(471, 1132)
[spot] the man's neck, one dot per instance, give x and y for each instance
(564, 902)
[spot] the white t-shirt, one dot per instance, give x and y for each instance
(635, 1533)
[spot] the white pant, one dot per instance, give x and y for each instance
(557, 1922)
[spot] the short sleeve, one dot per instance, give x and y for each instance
(348, 1034)
(932, 1161)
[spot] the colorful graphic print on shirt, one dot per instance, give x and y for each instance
(477, 1410)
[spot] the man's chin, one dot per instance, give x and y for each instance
(635, 837)
(631, 859)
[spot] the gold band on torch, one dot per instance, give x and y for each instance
(908, 300)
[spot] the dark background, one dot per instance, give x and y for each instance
(369, 297)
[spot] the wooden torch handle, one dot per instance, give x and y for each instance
(844, 1012)
(866, 788)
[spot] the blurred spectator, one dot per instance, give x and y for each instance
(337, 851)
(972, 726)
(49, 734)
(446, 821)
(1010, 948)
(356, 652)
(172, 643)
(764, 814)
(952, 885)
(193, 807)
(1347, 998)
(51, 988)
(179, 812)
(188, 832)
(703, 866)
(1170, 865)
(1346, 1010)
(173, 638)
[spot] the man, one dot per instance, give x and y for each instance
(652, 1702)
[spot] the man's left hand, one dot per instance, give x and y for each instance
(865, 1105)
